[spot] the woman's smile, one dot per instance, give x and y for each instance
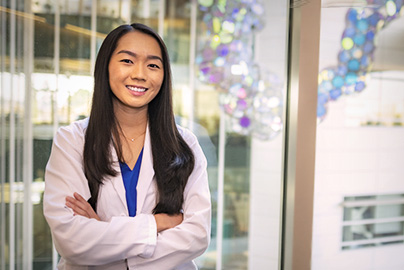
(136, 90)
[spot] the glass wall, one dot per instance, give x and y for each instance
(229, 63)
(358, 216)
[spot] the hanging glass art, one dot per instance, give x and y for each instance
(250, 97)
(358, 44)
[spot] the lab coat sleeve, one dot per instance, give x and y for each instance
(80, 240)
(180, 245)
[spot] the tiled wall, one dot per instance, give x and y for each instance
(353, 161)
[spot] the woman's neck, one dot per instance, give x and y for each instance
(132, 132)
(133, 122)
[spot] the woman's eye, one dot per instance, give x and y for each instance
(126, 61)
(154, 66)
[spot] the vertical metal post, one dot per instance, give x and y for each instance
(56, 64)
(54, 97)
(93, 49)
(192, 49)
(220, 191)
(12, 138)
(28, 140)
(300, 134)
(130, 12)
(161, 15)
(3, 138)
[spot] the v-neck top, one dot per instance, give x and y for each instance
(130, 179)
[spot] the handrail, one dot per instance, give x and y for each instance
(372, 221)
(372, 202)
(373, 241)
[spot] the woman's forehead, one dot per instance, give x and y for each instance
(140, 43)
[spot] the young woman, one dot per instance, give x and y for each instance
(127, 188)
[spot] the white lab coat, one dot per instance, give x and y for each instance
(120, 241)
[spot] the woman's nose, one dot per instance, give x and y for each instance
(138, 72)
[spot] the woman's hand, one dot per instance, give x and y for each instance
(165, 221)
(80, 206)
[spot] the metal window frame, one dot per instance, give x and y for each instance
(28, 223)
(2, 139)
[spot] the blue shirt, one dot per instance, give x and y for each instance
(130, 179)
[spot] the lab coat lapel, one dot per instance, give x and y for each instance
(146, 172)
(117, 181)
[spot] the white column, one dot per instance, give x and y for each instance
(28, 140)
(270, 53)
(265, 204)
(93, 44)
(146, 9)
(161, 14)
(12, 138)
(192, 49)
(3, 140)
(220, 190)
(56, 64)
(54, 97)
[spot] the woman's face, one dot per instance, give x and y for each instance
(136, 70)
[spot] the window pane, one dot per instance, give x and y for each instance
(247, 227)
(358, 212)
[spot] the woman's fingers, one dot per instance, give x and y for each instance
(75, 207)
(80, 206)
(76, 203)
(86, 206)
(79, 197)
(83, 203)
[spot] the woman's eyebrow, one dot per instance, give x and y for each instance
(135, 55)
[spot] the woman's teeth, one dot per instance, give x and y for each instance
(136, 89)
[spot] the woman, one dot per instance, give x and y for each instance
(127, 188)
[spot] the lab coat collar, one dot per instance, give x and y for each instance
(145, 176)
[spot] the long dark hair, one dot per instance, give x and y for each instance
(173, 160)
